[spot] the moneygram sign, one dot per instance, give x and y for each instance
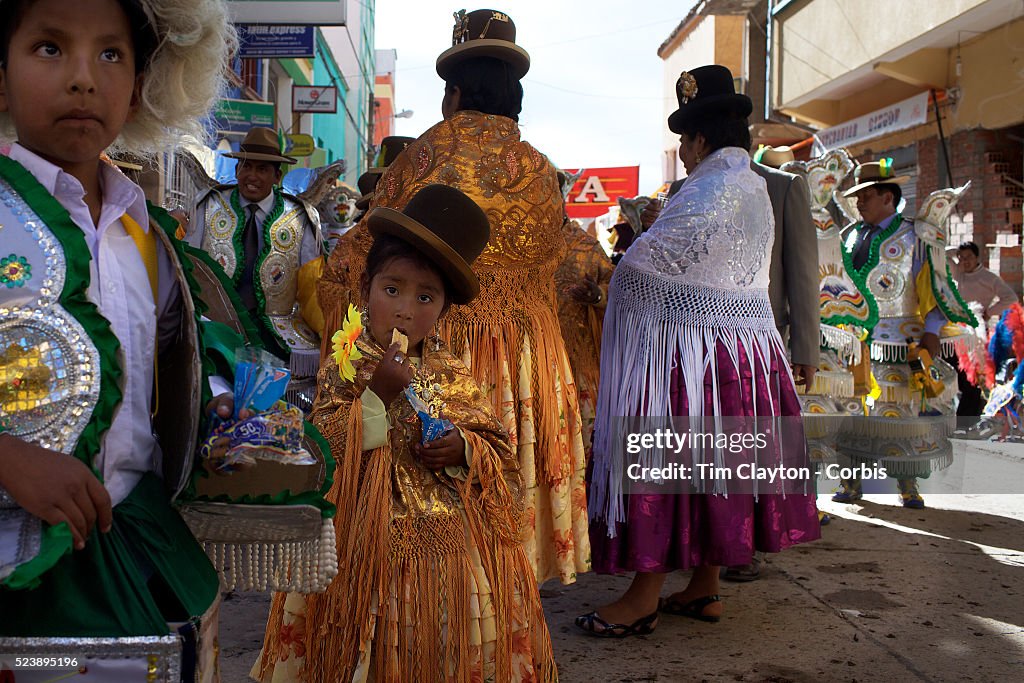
(314, 99)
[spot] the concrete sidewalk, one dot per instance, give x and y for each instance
(886, 594)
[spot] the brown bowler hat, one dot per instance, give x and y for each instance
(261, 144)
(444, 225)
(483, 33)
(390, 148)
(874, 173)
(706, 91)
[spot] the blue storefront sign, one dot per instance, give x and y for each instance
(264, 41)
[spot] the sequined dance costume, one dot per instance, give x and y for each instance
(834, 393)
(689, 333)
(907, 286)
(508, 336)
(76, 368)
(581, 323)
(434, 583)
(291, 246)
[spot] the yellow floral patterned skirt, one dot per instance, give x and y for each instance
(527, 376)
(421, 645)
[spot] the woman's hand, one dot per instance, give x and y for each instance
(54, 487)
(586, 292)
(650, 214)
(447, 451)
(391, 376)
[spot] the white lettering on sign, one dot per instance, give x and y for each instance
(910, 112)
(592, 186)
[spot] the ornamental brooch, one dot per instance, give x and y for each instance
(686, 87)
(461, 30)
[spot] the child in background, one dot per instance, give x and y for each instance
(93, 290)
(434, 584)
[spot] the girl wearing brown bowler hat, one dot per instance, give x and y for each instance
(689, 332)
(508, 336)
(434, 582)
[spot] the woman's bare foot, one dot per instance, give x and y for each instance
(712, 610)
(624, 611)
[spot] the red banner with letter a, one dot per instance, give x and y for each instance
(599, 189)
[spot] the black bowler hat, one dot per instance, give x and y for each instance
(483, 33)
(706, 91)
(444, 225)
(390, 148)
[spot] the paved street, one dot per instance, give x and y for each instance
(887, 594)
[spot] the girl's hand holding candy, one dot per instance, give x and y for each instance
(392, 375)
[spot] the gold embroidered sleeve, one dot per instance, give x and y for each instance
(335, 397)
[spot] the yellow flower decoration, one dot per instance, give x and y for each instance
(344, 341)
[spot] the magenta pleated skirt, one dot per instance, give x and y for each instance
(663, 533)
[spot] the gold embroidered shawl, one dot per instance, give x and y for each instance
(581, 324)
(398, 521)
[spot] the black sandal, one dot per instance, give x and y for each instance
(693, 609)
(641, 627)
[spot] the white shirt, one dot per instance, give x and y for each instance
(986, 288)
(119, 287)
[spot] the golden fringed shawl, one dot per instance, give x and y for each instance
(581, 324)
(411, 546)
(483, 156)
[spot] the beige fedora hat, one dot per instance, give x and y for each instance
(874, 173)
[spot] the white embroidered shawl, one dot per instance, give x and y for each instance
(697, 277)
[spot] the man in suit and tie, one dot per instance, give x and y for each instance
(793, 277)
(792, 283)
(262, 237)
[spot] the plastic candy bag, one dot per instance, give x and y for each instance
(433, 427)
(260, 379)
(274, 434)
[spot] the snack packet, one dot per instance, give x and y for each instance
(274, 434)
(260, 379)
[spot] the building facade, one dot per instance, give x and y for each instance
(726, 32)
(850, 70)
(353, 49)
(384, 96)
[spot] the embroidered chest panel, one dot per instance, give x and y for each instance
(840, 299)
(278, 263)
(891, 281)
(49, 366)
